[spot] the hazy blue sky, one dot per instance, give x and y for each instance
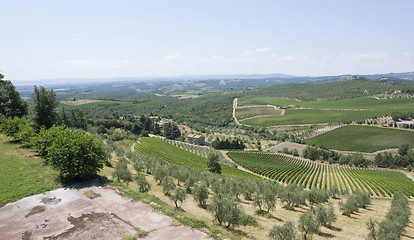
(101, 39)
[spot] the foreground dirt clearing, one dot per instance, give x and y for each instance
(87, 211)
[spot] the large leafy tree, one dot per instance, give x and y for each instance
(45, 105)
(171, 131)
(213, 163)
(76, 154)
(11, 105)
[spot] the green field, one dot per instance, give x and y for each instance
(311, 116)
(377, 182)
(350, 103)
(243, 113)
(158, 148)
(22, 174)
(363, 138)
(345, 110)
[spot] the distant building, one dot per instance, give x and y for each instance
(397, 92)
(401, 123)
(196, 139)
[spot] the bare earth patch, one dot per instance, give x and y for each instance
(101, 213)
(79, 102)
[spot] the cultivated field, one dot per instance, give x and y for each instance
(351, 103)
(312, 116)
(22, 173)
(377, 182)
(158, 148)
(247, 112)
(345, 110)
(363, 138)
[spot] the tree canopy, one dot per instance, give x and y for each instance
(76, 154)
(45, 105)
(11, 105)
(171, 131)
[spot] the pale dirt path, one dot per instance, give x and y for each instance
(234, 111)
(224, 153)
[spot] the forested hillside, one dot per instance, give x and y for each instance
(335, 89)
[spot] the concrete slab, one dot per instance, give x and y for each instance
(87, 211)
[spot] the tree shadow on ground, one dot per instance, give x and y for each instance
(240, 232)
(405, 235)
(333, 228)
(293, 209)
(325, 235)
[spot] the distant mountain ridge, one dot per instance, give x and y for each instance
(273, 76)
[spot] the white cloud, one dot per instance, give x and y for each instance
(247, 53)
(172, 57)
(407, 54)
(218, 57)
(265, 49)
(363, 56)
(285, 58)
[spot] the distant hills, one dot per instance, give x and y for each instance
(181, 84)
(339, 88)
(282, 78)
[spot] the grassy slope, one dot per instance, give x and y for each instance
(311, 116)
(329, 111)
(242, 113)
(351, 103)
(363, 138)
(22, 174)
(158, 148)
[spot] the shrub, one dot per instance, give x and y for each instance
(144, 185)
(285, 232)
(77, 155)
(11, 126)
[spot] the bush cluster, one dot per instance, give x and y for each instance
(76, 154)
(397, 218)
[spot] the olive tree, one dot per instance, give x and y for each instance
(179, 196)
(226, 210)
(144, 185)
(285, 232)
(200, 194)
(308, 224)
(121, 171)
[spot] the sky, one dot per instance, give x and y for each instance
(54, 39)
